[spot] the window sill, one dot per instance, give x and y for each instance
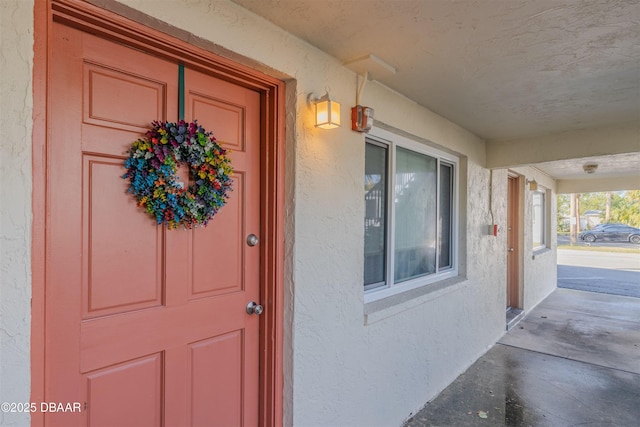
(375, 311)
(539, 252)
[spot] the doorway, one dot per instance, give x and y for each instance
(513, 300)
(128, 314)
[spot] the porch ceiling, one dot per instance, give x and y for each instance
(507, 70)
(608, 166)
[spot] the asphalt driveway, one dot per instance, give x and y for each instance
(612, 273)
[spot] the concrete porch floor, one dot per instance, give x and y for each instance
(573, 360)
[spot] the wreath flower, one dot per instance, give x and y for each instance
(151, 171)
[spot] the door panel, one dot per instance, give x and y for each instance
(219, 112)
(214, 362)
(140, 403)
(106, 89)
(108, 290)
(139, 318)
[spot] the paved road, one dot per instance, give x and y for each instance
(605, 272)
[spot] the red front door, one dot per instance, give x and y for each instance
(145, 326)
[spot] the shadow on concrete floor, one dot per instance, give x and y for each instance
(573, 360)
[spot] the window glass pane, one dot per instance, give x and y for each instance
(375, 216)
(538, 219)
(415, 215)
(445, 215)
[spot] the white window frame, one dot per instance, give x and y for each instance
(392, 141)
(543, 245)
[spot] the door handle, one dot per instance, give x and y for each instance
(253, 308)
(510, 249)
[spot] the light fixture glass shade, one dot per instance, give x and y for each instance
(327, 113)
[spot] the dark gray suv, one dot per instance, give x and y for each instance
(611, 233)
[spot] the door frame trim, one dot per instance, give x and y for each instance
(108, 25)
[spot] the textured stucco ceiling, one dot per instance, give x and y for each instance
(504, 69)
(620, 165)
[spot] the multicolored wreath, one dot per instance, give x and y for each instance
(151, 171)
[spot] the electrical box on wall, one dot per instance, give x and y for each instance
(361, 118)
(493, 230)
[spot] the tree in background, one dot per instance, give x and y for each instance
(563, 212)
(625, 209)
(593, 202)
(616, 207)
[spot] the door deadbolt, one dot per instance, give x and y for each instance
(252, 240)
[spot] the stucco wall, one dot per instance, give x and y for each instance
(345, 369)
(342, 367)
(539, 268)
(16, 59)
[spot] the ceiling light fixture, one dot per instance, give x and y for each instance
(590, 167)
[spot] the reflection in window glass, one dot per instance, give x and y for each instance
(538, 211)
(415, 219)
(410, 216)
(375, 220)
(445, 215)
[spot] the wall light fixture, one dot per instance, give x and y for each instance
(533, 185)
(327, 111)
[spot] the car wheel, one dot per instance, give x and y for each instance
(590, 238)
(635, 238)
